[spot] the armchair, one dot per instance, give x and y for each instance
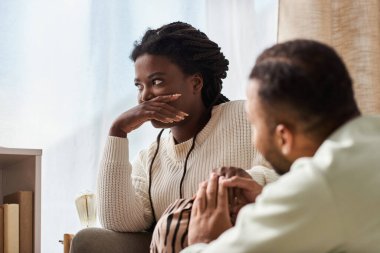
(100, 240)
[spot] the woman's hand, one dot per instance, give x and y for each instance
(154, 109)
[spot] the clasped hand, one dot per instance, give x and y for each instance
(218, 201)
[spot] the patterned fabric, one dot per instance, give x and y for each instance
(170, 233)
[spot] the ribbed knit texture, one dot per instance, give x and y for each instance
(123, 199)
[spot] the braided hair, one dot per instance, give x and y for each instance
(192, 51)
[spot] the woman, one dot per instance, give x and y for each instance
(178, 72)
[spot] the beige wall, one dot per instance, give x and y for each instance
(352, 27)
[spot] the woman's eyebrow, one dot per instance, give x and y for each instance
(155, 74)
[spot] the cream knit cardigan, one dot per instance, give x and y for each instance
(123, 199)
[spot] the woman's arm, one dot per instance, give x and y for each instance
(122, 188)
(123, 201)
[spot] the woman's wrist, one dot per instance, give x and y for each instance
(116, 131)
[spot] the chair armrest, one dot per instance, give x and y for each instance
(99, 240)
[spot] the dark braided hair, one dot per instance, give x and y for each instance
(192, 51)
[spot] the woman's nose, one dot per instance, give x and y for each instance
(146, 95)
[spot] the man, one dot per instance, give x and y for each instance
(308, 126)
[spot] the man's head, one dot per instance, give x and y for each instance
(299, 93)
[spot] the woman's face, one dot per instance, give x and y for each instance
(156, 75)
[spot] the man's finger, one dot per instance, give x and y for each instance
(200, 202)
(212, 191)
(240, 182)
(222, 196)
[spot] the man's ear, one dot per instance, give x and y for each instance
(284, 139)
(197, 83)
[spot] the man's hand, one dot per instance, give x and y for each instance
(210, 215)
(245, 191)
(237, 198)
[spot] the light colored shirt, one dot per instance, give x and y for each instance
(123, 199)
(327, 203)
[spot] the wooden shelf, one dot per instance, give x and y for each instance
(20, 170)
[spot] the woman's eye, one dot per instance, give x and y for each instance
(139, 86)
(157, 82)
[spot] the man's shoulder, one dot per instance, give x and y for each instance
(351, 147)
(300, 182)
(362, 129)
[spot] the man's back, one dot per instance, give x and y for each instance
(349, 161)
(338, 189)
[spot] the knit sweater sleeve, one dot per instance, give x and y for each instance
(123, 201)
(263, 175)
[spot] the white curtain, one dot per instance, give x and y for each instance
(65, 74)
(243, 29)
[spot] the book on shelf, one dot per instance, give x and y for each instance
(11, 228)
(1, 229)
(25, 201)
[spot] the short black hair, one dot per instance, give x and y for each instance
(310, 79)
(192, 51)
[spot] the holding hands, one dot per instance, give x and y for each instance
(210, 215)
(218, 201)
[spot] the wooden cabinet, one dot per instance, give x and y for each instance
(20, 170)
